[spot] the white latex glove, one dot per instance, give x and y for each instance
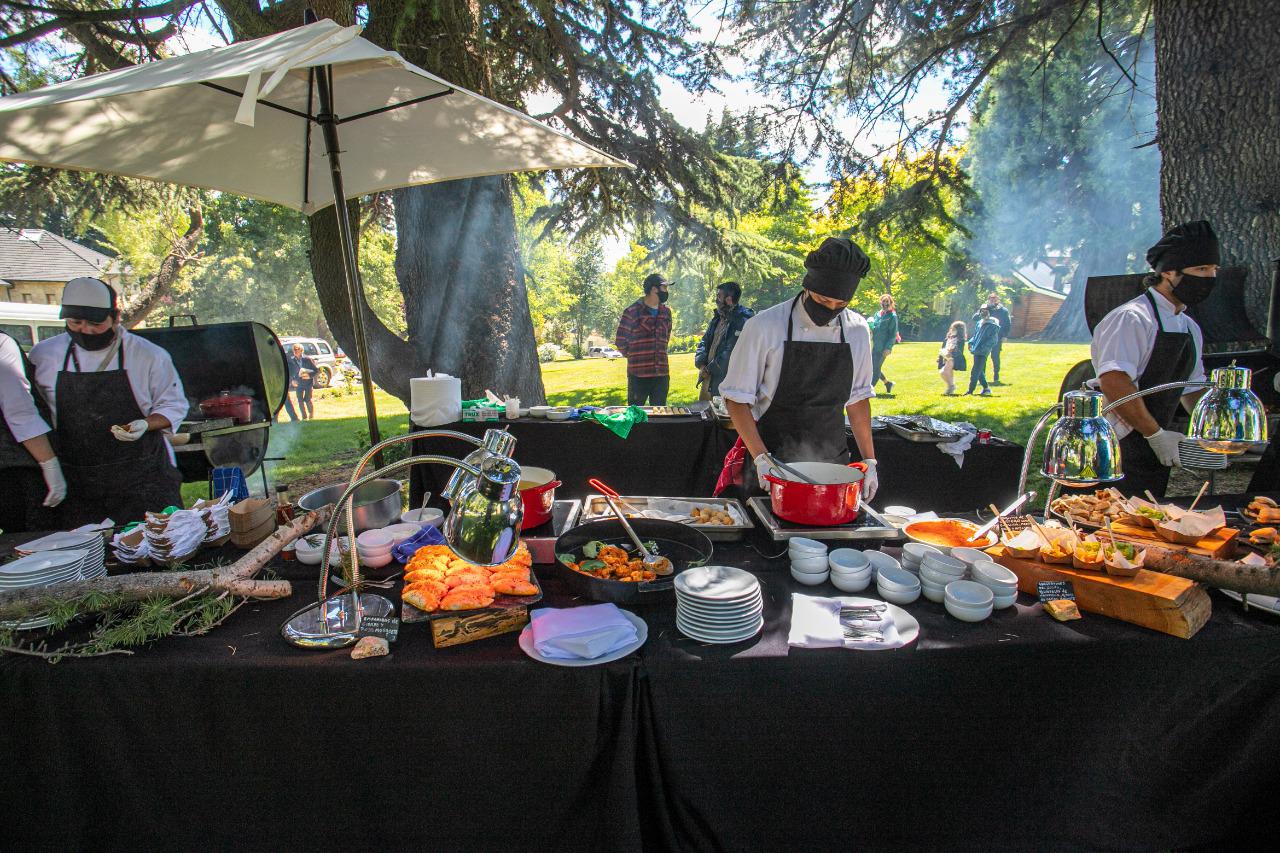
(764, 466)
(1165, 444)
(132, 432)
(870, 481)
(52, 471)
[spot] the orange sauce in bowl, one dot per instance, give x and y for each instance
(948, 533)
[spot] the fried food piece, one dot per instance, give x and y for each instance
(416, 575)
(1263, 536)
(1062, 609)
(1269, 515)
(511, 585)
(509, 573)
(424, 596)
(467, 578)
(467, 598)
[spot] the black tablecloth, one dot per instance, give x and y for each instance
(682, 457)
(1019, 733)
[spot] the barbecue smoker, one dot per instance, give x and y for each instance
(235, 377)
(1228, 334)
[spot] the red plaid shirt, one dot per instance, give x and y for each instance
(643, 339)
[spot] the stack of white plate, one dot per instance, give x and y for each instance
(718, 604)
(90, 546)
(46, 568)
(1192, 455)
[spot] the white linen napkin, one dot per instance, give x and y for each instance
(815, 624)
(956, 449)
(580, 632)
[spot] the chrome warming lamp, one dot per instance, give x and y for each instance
(1082, 449)
(483, 527)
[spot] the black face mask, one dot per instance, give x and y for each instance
(101, 340)
(723, 307)
(820, 314)
(1193, 289)
(662, 296)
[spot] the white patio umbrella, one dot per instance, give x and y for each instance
(239, 119)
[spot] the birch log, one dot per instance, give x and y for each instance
(236, 579)
(1224, 574)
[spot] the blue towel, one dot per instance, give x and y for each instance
(404, 552)
(230, 479)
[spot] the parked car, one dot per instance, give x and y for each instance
(603, 352)
(30, 324)
(321, 353)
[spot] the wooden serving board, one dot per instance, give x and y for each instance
(1220, 546)
(1153, 600)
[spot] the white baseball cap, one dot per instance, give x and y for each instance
(89, 299)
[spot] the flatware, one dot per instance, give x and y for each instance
(778, 463)
(982, 531)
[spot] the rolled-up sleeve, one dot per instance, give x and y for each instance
(1120, 342)
(746, 365)
(860, 349)
(19, 407)
(164, 387)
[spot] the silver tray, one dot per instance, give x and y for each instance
(916, 431)
(780, 530)
(595, 508)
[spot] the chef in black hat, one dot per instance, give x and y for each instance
(1151, 340)
(113, 395)
(801, 366)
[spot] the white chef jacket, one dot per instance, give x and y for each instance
(1124, 338)
(756, 364)
(19, 409)
(152, 376)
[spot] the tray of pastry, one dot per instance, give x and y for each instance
(656, 411)
(720, 519)
(421, 602)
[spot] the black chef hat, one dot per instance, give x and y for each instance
(1190, 244)
(835, 268)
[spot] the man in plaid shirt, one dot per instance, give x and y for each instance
(643, 333)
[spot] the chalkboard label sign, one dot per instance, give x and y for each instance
(387, 627)
(1055, 591)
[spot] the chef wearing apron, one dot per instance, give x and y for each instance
(1150, 340)
(798, 369)
(31, 475)
(113, 395)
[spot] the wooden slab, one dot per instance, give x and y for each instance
(467, 628)
(1153, 600)
(1220, 546)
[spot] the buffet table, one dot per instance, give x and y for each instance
(1017, 733)
(682, 457)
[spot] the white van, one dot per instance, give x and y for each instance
(29, 324)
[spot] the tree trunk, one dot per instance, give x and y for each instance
(1218, 92)
(1068, 322)
(160, 285)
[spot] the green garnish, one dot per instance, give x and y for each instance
(1152, 513)
(592, 548)
(590, 565)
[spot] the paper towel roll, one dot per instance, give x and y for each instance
(435, 400)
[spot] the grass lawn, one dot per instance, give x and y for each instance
(316, 449)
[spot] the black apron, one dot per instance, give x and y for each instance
(107, 477)
(805, 419)
(1173, 358)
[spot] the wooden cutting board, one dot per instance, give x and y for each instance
(1153, 600)
(1220, 546)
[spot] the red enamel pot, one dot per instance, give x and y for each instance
(833, 501)
(537, 494)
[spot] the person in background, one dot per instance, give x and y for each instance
(302, 374)
(951, 356)
(644, 331)
(712, 355)
(1001, 314)
(986, 337)
(884, 334)
(288, 394)
(29, 469)
(113, 396)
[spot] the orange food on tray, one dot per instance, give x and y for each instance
(436, 580)
(949, 533)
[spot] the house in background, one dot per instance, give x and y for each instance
(1036, 303)
(35, 264)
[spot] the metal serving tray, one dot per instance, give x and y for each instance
(921, 428)
(780, 530)
(596, 508)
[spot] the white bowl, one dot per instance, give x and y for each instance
(809, 565)
(849, 584)
(809, 579)
(539, 411)
(899, 510)
(807, 547)
(995, 576)
(898, 596)
(856, 574)
(933, 576)
(967, 614)
(558, 413)
(429, 517)
(933, 592)
(969, 556)
(375, 562)
(307, 549)
(880, 560)
(1001, 600)
(897, 579)
(915, 551)
(372, 553)
(375, 540)
(946, 565)
(969, 594)
(848, 561)
(402, 531)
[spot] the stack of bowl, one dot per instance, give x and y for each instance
(913, 553)
(936, 572)
(969, 556)
(1002, 582)
(808, 560)
(897, 585)
(851, 570)
(968, 601)
(880, 560)
(374, 547)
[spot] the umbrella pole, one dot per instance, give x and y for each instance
(328, 122)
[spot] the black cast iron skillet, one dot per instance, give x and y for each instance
(684, 546)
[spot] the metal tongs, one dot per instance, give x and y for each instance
(982, 531)
(657, 565)
(782, 466)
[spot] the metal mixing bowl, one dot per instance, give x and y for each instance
(376, 504)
